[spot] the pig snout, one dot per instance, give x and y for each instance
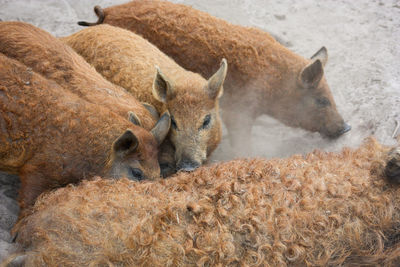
(187, 165)
(335, 134)
(345, 129)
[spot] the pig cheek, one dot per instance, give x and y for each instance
(319, 120)
(150, 168)
(310, 116)
(299, 114)
(206, 140)
(212, 139)
(333, 121)
(177, 143)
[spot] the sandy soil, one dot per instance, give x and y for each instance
(363, 41)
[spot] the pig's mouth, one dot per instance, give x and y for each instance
(336, 134)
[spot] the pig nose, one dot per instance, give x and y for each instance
(187, 165)
(345, 129)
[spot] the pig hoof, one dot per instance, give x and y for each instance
(392, 169)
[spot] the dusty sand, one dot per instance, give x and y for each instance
(363, 71)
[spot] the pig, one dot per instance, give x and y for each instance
(51, 137)
(130, 61)
(264, 77)
(50, 57)
(322, 209)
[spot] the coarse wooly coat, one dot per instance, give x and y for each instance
(51, 58)
(130, 61)
(264, 77)
(50, 137)
(322, 209)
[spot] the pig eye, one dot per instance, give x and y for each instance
(173, 123)
(323, 101)
(206, 121)
(136, 174)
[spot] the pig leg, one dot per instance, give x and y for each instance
(33, 183)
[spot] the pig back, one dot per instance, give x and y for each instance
(42, 122)
(49, 57)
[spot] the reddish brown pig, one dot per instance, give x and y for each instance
(50, 57)
(128, 60)
(264, 77)
(51, 137)
(323, 209)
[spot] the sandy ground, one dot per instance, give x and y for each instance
(363, 71)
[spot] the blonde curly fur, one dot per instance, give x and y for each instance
(322, 209)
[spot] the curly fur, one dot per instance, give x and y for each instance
(50, 57)
(263, 76)
(128, 60)
(51, 137)
(322, 209)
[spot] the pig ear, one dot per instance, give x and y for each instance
(214, 86)
(153, 111)
(312, 73)
(322, 55)
(162, 87)
(127, 142)
(161, 128)
(132, 117)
